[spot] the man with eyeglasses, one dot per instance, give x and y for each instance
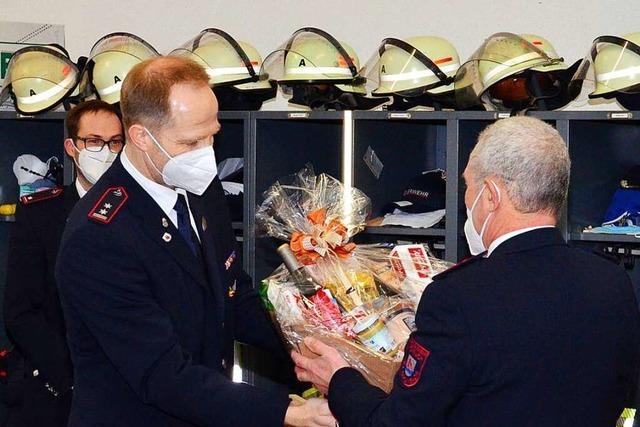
(32, 311)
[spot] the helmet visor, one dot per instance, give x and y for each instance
(222, 57)
(500, 56)
(124, 43)
(114, 55)
(38, 78)
(312, 56)
(397, 67)
(611, 66)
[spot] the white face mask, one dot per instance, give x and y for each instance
(93, 164)
(474, 239)
(192, 171)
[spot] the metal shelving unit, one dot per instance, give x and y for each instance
(449, 137)
(604, 238)
(391, 230)
(602, 146)
(275, 143)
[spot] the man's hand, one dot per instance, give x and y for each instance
(319, 370)
(312, 413)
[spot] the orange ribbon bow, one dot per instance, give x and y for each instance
(322, 239)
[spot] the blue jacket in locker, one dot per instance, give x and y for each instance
(150, 326)
(538, 334)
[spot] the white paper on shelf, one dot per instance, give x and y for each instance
(229, 166)
(232, 187)
(420, 220)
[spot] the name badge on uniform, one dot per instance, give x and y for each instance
(415, 360)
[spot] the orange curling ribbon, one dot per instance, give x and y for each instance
(308, 247)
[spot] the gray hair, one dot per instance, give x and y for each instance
(530, 157)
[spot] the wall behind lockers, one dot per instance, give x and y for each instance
(570, 25)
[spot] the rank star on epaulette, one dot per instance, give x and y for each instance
(108, 205)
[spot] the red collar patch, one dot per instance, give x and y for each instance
(415, 359)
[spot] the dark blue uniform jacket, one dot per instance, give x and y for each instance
(151, 326)
(538, 334)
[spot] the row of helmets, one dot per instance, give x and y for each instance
(507, 72)
(41, 78)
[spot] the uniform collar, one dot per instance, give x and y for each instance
(80, 189)
(500, 240)
(150, 217)
(165, 197)
(534, 239)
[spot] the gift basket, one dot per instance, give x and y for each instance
(360, 299)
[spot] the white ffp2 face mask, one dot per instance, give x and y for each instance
(192, 171)
(93, 164)
(474, 239)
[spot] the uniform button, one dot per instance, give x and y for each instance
(224, 364)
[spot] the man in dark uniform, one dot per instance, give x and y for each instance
(32, 312)
(150, 282)
(529, 332)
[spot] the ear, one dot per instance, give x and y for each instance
(69, 148)
(138, 136)
(495, 192)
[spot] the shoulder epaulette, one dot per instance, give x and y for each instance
(39, 196)
(108, 205)
(463, 263)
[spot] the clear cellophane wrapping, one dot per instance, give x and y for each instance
(365, 305)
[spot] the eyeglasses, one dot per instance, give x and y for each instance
(97, 144)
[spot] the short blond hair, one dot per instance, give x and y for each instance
(144, 97)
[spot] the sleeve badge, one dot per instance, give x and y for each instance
(415, 360)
